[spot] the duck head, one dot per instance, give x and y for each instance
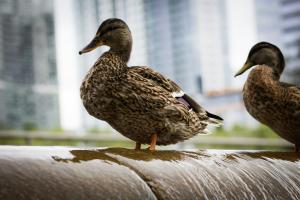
(264, 53)
(115, 34)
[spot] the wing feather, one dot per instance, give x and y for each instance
(157, 78)
(293, 98)
(174, 90)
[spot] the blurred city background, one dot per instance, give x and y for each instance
(200, 44)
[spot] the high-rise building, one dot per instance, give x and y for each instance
(28, 78)
(209, 44)
(291, 36)
(159, 36)
(184, 38)
(268, 21)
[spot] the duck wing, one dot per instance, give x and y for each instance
(156, 78)
(290, 86)
(173, 89)
(292, 98)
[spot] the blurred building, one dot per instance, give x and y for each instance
(291, 35)
(183, 40)
(269, 21)
(28, 77)
(158, 38)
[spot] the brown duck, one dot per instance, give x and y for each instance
(138, 102)
(273, 103)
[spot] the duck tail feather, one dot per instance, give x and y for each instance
(210, 115)
(214, 122)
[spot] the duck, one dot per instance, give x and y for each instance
(270, 101)
(138, 102)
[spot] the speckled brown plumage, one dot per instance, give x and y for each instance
(273, 103)
(137, 101)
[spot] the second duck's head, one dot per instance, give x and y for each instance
(114, 33)
(264, 53)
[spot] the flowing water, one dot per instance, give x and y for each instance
(116, 173)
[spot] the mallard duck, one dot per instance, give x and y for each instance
(137, 101)
(273, 103)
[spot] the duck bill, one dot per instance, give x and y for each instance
(246, 66)
(96, 42)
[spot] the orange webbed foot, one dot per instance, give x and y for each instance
(153, 142)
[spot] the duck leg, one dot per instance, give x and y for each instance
(137, 146)
(297, 148)
(153, 142)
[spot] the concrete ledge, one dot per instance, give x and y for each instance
(70, 173)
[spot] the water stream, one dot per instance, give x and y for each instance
(116, 173)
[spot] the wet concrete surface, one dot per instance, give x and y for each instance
(116, 173)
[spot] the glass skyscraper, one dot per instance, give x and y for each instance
(291, 36)
(28, 77)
